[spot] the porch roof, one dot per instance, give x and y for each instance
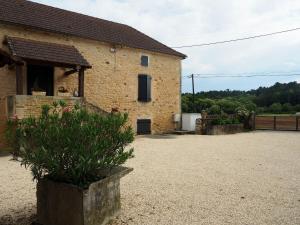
(46, 53)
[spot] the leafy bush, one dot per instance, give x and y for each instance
(215, 109)
(224, 119)
(287, 107)
(276, 108)
(72, 145)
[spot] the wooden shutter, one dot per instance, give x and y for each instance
(143, 126)
(144, 88)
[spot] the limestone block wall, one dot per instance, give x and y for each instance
(27, 105)
(113, 80)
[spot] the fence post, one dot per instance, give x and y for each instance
(274, 123)
(297, 123)
(254, 121)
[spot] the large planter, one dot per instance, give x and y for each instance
(65, 204)
(224, 129)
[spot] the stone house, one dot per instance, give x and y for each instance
(66, 55)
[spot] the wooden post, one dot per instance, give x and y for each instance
(81, 82)
(274, 122)
(193, 84)
(254, 122)
(19, 79)
(297, 123)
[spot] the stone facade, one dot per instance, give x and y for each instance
(112, 82)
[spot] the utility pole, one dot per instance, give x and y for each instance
(193, 84)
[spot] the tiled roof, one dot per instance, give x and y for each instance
(52, 19)
(45, 52)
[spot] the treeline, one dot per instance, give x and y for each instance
(279, 98)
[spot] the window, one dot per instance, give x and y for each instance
(143, 126)
(144, 88)
(144, 60)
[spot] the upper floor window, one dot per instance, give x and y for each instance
(144, 88)
(144, 60)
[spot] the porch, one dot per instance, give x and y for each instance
(44, 73)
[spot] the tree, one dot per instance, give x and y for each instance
(214, 109)
(276, 108)
(287, 107)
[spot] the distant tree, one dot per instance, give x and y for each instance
(297, 108)
(276, 108)
(287, 107)
(228, 106)
(261, 100)
(214, 109)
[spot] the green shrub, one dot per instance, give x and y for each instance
(276, 108)
(72, 145)
(214, 109)
(224, 119)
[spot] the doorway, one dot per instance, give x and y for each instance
(40, 78)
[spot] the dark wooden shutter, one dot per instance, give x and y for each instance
(143, 126)
(144, 88)
(144, 60)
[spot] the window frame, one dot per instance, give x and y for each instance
(141, 128)
(144, 95)
(148, 60)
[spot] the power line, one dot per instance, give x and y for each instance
(238, 39)
(205, 76)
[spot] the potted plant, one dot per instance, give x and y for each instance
(62, 91)
(75, 156)
(36, 91)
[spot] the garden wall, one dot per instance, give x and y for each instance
(224, 129)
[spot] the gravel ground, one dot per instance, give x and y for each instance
(249, 178)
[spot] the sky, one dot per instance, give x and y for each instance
(187, 22)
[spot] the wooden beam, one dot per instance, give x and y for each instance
(67, 73)
(81, 83)
(19, 79)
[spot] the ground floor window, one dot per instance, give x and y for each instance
(143, 126)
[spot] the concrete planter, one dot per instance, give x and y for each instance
(65, 204)
(224, 129)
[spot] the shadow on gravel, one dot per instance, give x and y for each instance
(20, 220)
(159, 136)
(4, 153)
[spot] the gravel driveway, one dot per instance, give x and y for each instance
(249, 178)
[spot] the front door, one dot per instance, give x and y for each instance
(40, 78)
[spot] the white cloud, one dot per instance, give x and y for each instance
(184, 22)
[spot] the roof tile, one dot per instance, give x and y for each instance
(52, 19)
(44, 51)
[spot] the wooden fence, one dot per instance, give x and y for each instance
(291, 123)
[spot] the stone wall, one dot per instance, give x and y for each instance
(224, 129)
(27, 105)
(113, 80)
